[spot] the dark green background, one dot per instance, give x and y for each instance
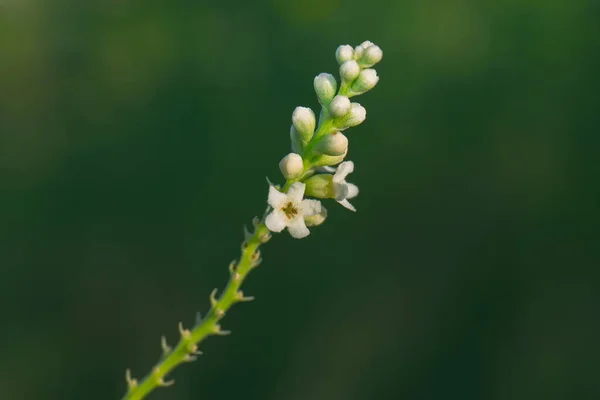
(135, 141)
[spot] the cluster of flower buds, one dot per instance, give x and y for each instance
(317, 148)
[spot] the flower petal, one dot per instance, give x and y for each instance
(310, 207)
(296, 191)
(340, 190)
(347, 204)
(298, 228)
(276, 198)
(343, 170)
(352, 191)
(275, 221)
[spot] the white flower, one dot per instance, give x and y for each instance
(343, 190)
(289, 210)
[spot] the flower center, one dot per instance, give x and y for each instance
(290, 210)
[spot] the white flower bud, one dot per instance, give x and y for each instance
(358, 52)
(297, 145)
(344, 53)
(349, 70)
(317, 219)
(333, 144)
(291, 166)
(325, 87)
(356, 116)
(339, 106)
(304, 121)
(366, 44)
(371, 56)
(367, 79)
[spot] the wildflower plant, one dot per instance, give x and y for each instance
(315, 168)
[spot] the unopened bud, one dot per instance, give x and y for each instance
(297, 145)
(371, 56)
(339, 106)
(317, 219)
(320, 186)
(328, 161)
(304, 121)
(355, 117)
(349, 70)
(367, 79)
(344, 53)
(325, 87)
(333, 144)
(291, 166)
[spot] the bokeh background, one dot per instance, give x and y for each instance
(134, 141)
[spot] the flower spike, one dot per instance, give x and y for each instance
(315, 168)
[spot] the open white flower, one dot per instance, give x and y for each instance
(289, 210)
(343, 190)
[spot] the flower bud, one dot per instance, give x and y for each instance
(344, 53)
(333, 144)
(339, 106)
(304, 121)
(317, 219)
(367, 79)
(325, 87)
(371, 56)
(366, 44)
(358, 52)
(356, 116)
(320, 186)
(291, 166)
(349, 70)
(297, 145)
(326, 161)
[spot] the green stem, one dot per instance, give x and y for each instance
(186, 349)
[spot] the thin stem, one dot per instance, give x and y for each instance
(187, 348)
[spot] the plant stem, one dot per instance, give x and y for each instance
(187, 348)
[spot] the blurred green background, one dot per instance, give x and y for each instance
(135, 138)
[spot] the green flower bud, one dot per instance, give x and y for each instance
(318, 219)
(291, 166)
(304, 121)
(320, 186)
(326, 161)
(325, 87)
(333, 144)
